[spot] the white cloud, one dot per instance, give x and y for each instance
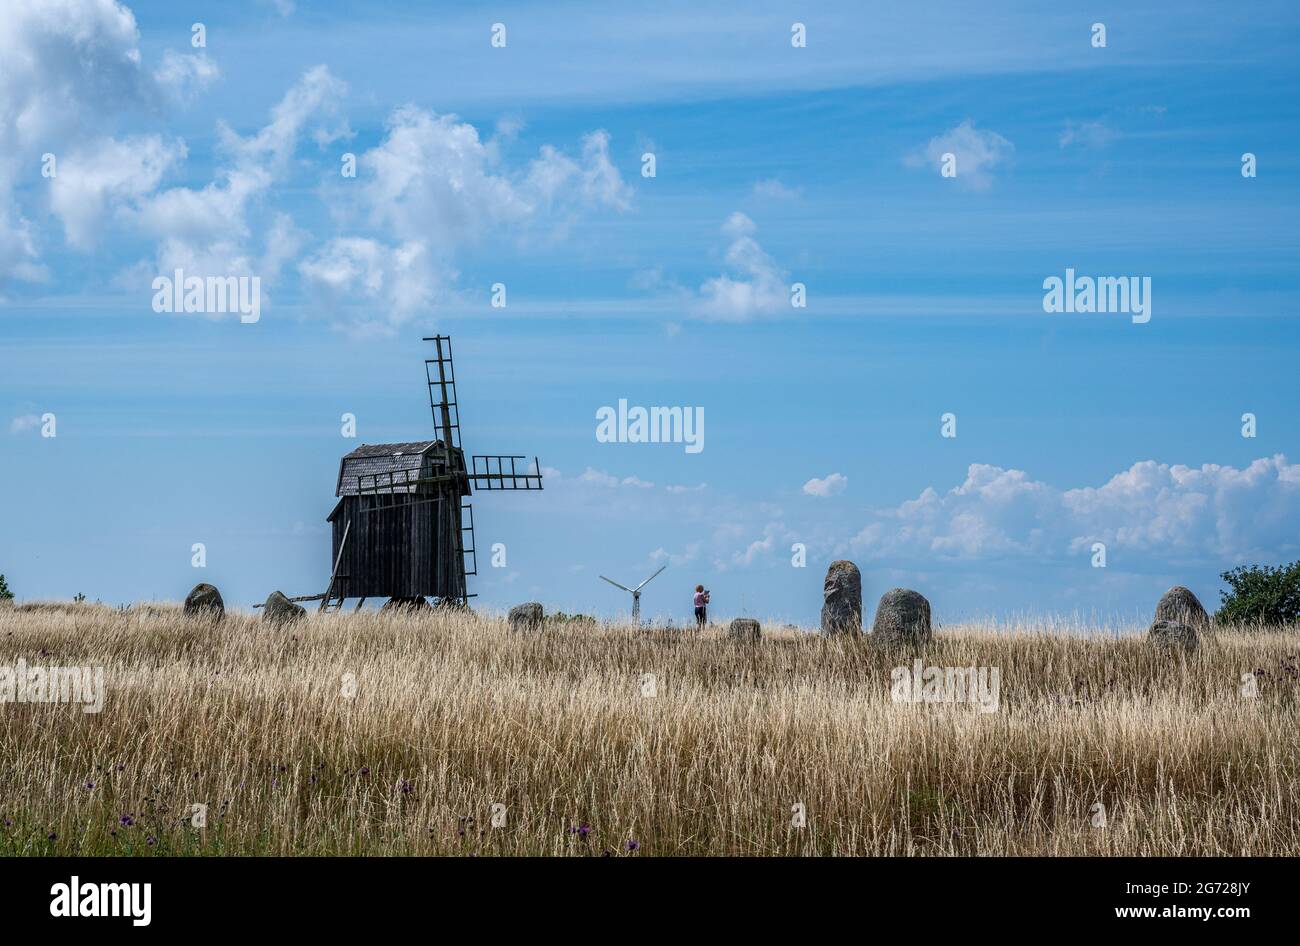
(1158, 511)
(685, 557)
(207, 231)
(402, 277)
(70, 69)
(184, 75)
(24, 422)
(772, 189)
(978, 153)
(1087, 134)
(676, 488)
(832, 485)
(758, 286)
(757, 550)
(105, 176)
(432, 187)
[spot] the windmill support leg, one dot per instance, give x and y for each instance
(329, 589)
(359, 604)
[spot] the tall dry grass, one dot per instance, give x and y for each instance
(454, 714)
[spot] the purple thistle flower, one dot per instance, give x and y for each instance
(633, 845)
(90, 786)
(151, 840)
(126, 821)
(52, 837)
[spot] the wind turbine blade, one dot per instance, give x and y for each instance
(647, 581)
(616, 584)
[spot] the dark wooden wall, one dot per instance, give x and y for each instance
(398, 548)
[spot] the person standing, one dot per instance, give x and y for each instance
(701, 606)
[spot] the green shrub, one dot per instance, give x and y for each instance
(5, 593)
(1261, 594)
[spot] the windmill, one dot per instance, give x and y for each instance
(636, 593)
(403, 527)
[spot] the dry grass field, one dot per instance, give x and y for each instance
(451, 715)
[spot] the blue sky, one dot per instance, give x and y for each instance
(774, 165)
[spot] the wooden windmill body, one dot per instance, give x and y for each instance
(403, 526)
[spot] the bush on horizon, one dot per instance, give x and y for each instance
(1261, 594)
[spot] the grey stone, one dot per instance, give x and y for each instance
(1172, 635)
(525, 617)
(902, 618)
(1180, 606)
(842, 599)
(280, 610)
(744, 629)
(205, 599)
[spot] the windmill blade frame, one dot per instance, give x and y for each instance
(617, 585)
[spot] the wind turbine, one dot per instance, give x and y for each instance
(636, 593)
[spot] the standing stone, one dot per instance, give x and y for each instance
(745, 629)
(280, 610)
(842, 596)
(902, 618)
(206, 600)
(1172, 636)
(1179, 606)
(525, 617)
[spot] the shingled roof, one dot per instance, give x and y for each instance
(371, 459)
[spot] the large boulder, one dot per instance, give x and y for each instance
(745, 629)
(525, 617)
(902, 618)
(280, 610)
(842, 599)
(403, 605)
(1173, 636)
(1180, 606)
(205, 600)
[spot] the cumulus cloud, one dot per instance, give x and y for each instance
(206, 231)
(755, 286)
(684, 557)
(184, 75)
(1167, 512)
(593, 477)
(70, 68)
(433, 187)
(107, 176)
(978, 154)
(831, 485)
